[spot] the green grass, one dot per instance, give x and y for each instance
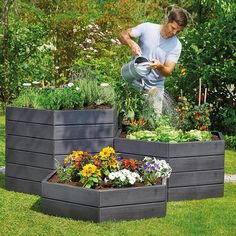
(20, 215)
(2, 140)
(230, 155)
(230, 162)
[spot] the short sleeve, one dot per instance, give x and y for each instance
(174, 54)
(138, 30)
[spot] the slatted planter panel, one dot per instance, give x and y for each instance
(36, 138)
(198, 167)
(103, 205)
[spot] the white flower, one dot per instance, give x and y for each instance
(122, 178)
(112, 176)
(88, 40)
(57, 67)
(70, 84)
(88, 56)
(104, 85)
(77, 88)
(35, 83)
(132, 180)
(113, 41)
(27, 84)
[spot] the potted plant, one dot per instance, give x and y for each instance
(105, 187)
(44, 124)
(196, 156)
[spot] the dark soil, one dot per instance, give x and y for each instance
(55, 179)
(95, 106)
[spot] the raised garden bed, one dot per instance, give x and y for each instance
(36, 138)
(103, 205)
(198, 167)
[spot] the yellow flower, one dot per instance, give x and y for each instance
(183, 72)
(98, 172)
(89, 170)
(107, 152)
(113, 163)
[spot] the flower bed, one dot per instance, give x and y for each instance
(106, 187)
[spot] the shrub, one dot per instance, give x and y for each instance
(230, 142)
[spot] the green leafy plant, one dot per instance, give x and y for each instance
(73, 96)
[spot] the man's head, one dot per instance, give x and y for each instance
(177, 20)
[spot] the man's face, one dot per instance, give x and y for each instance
(172, 29)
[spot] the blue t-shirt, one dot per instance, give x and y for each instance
(154, 46)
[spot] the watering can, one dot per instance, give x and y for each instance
(136, 70)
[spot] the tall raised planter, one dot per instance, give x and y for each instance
(198, 167)
(103, 205)
(36, 138)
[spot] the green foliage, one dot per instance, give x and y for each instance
(84, 93)
(64, 174)
(166, 132)
(230, 142)
(213, 60)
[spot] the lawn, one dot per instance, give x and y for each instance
(20, 215)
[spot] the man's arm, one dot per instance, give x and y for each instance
(125, 37)
(165, 69)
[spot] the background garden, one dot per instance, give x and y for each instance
(59, 42)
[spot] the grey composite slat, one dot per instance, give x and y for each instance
(24, 186)
(197, 163)
(89, 145)
(196, 178)
(196, 148)
(84, 131)
(95, 116)
(138, 147)
(30, 158)
(67, 193)
(29, 115)
(26, 172)
(195, 192)
(30, 144)
(133, 212)
(136, 195)
(30, 129)
(68, 209)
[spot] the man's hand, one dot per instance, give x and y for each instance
(156, 65)
(135, 49)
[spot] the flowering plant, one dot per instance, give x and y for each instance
(107, 169)
(154, 169)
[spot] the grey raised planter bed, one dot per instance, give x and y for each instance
(103, 205)
(36, 138)
(198, 167)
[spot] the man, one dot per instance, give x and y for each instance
(159, 44)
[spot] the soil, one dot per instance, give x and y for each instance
(55, 179)
(95, 106)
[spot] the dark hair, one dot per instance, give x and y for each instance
(179, 16)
